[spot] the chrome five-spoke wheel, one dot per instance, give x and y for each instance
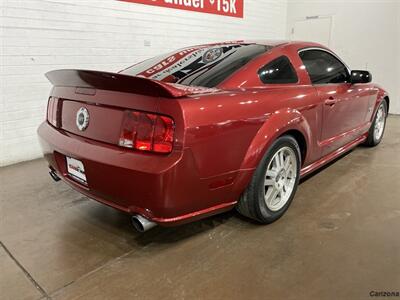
(380, 122)
(280, 178)
(274, 182)
(377, 129)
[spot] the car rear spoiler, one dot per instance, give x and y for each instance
(122, 83)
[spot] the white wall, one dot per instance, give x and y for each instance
(366, 34)
(42, 35)
(397, 109)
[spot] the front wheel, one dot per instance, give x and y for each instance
(377, 129)
(274, 182)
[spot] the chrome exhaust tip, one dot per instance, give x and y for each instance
(54, 175)
(141, 224)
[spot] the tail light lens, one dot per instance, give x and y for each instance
(147, 132)
(52, 111)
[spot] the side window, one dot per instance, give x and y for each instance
(279, 70)
(323, 67)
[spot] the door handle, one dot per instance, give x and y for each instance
(331, 101)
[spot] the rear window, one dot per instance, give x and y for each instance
(205, 66)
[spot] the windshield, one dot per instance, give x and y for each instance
(206, 65)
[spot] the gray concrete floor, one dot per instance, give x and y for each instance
(340, 239)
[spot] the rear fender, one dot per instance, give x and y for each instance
(276, 125)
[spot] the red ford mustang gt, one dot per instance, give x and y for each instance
(208, 128)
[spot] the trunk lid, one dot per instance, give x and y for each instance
(107, 97)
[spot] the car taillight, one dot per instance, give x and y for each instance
(52, 111)
(147, 132)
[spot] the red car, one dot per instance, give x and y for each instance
(208, 128)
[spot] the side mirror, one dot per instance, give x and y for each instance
(359, 76)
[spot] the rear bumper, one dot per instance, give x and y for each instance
(164, 188)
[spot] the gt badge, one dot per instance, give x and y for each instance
(82, 119)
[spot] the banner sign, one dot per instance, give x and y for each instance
(232, 8)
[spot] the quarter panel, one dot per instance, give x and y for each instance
(230, 132)
(219, 129)
(304, 121)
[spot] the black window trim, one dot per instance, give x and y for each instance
(290, 62)
(329, 52)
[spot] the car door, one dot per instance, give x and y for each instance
(343, 106)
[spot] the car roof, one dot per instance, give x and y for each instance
(278, 43)
(270, 43)
(273, 43)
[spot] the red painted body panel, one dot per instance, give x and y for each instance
(220, 135)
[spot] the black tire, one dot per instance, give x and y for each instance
(372, 140)
(252, 203)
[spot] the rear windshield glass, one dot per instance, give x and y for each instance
(204, 66)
